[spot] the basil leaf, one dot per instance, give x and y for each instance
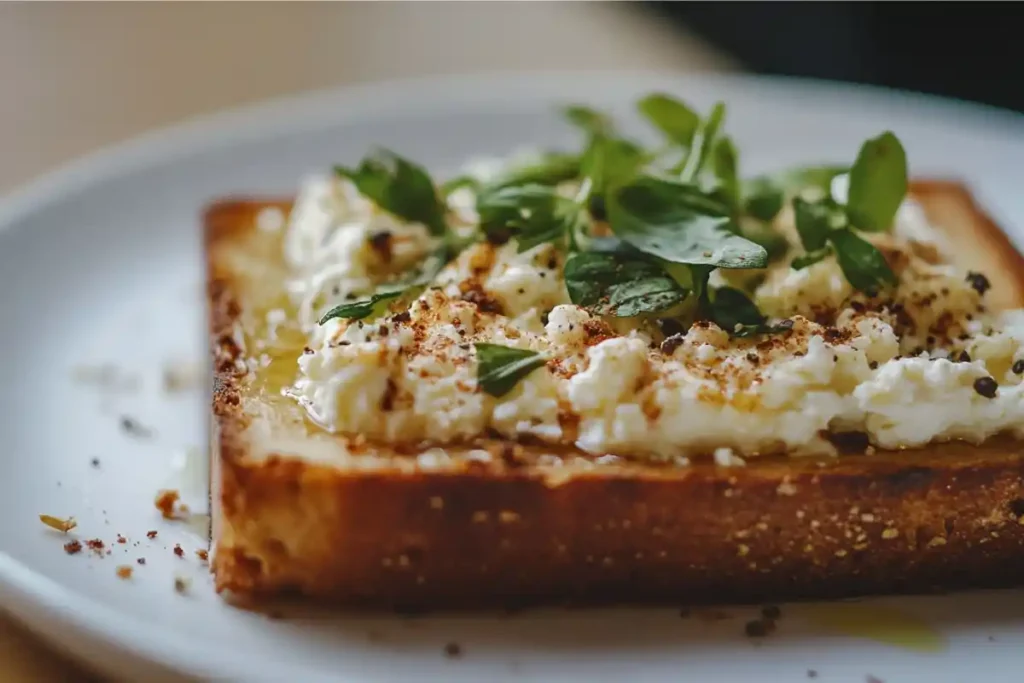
(809, 259)
(609, 162)
(533, 214)
(457, 183)
(773, 242)
(724, 166)
(677, 222)
(763, 200)
(357, 310)
(590, 120)
(551, 169)
(861, 262)
(813, 222)
(677, 121)
(731, 308)
(703, 142)
(620, 285)
(500, 367)
(398, 186)
(878, 183)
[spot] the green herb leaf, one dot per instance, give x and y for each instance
(620, 284)
(410, 285)
(677, 121)
(764, 235)
(731, 308)
(878, 183)
(703, 143)
(500, 367)
(609, 162)
(862, 263)
(357, 310)
(809, 259)
(724, 163)
(814, 221)
(590, 120)
(679, 223)
(763, 200)
(551, 169)
(533, 214)
(398, 186)
(458, 183)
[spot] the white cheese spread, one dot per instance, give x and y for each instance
(912, 372)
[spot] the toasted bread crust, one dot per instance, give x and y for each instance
(511, 533)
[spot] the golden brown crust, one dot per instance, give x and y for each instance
(981, 245)
(511, 533)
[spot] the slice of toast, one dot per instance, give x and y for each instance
(297, 510)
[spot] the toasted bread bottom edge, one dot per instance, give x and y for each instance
(498, 535)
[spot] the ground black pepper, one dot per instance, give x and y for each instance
(1018, 368)
(986, 386)
(672, 343)
(978, 282)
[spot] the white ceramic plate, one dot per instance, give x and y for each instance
(101, 263)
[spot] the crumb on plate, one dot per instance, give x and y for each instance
(59, 523)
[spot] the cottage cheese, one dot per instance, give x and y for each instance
(612, 387)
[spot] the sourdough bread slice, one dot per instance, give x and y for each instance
(297, 510)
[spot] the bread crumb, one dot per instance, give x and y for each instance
(167, 502)
(203, 554)
(182, 584)
(507, 516)
(937, 541)
(178, 550)
(151, 534)
(121, 539)
(95, 545)
(72, 547)
(58, 523)
(890, 533)
(129, 425)
(124, 571)
(758, 628)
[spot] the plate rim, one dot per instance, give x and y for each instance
(34, 599)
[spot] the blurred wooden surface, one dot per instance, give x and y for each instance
(77, 77)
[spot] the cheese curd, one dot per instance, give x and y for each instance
(339, 243)
(906, 371)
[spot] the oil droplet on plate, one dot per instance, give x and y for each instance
(877, 622)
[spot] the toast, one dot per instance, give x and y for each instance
(298, 510)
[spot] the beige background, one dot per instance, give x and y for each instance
(80, 76)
